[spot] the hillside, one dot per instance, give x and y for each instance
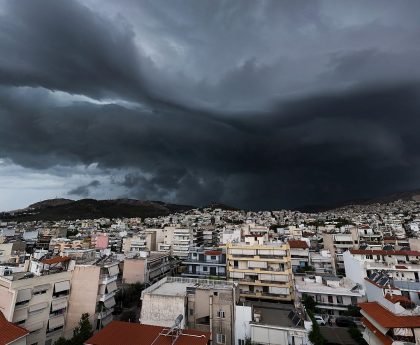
(58, 209)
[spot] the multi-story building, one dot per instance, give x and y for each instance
(203, 263)
(37, 299)
(402, 265)
(206, 305)
(262, 269)
(389, 317)
(147, 267)
(299, 252)
(332, 295)
(338, 243)
(322, 261)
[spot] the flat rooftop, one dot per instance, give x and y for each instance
(177, 286)
(275, 314)
(314, 287)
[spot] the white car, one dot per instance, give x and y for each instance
(320, 320)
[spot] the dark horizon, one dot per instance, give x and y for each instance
(259, 105)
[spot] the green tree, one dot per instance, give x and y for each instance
(309, 303)
(62, 341)
(315, 335)
(83, 331)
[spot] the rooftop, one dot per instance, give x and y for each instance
(298, 244)
(345, 287)
(125, 333)
(275, 314)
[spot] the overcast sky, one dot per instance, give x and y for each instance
(258, 104)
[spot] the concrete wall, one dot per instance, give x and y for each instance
(134, 271)
(354, 268)
(83, 294)
(243, 316)
(162, 310)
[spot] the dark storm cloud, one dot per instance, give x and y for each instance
(257, 104)
(84, 190)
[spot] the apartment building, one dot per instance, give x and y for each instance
(94, 284)
(332, 295)
(403, 266)
(146, 267)
(203, 263)
(100, 240)
(322, 261)
(388, 316)
(338, 243)
(206, 305)
(37, 299)
(299, 252)
(262, 269)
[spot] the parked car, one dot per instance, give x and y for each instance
(320, 320)
(344, 322)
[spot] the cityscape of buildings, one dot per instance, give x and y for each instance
(216, 276)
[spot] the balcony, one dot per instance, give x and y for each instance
(106, 278)
(105, 297)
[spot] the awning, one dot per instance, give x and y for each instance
(109, 303)
(34, 326)
(106, 320)
(43, 287)
(101, 289)
(24, 295)
(20, 314)
(113, 270)
(58, 304)
(112, 286)
(38, 306)
(62, 286)
(56, 322)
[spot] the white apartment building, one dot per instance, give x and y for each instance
(332, 295)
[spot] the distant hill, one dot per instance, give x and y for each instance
(221, 206)
(66, 209)
(384, 199)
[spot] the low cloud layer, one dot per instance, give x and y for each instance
(261, 105)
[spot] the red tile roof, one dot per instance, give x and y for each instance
(298, 244)
(125, 333)
(385, 252)
(387, 319)
(383, 338)
(10, 332)
(56, 260)
(212, 252)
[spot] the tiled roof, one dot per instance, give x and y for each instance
(383, 338)
(125, 333)
(385, 252)
(298, 244)
(212, 252)
(387, 319)
(56, 260)
(10, 332)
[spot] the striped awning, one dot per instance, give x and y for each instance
(62, 286)
(109, 303)
(56, 322)
(34, 326)
(113, 270)
(20, 314)
(112, 286)
(24, 295)
(58, 304)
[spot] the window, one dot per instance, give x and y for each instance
(41, 292)
(330, 299)
(213, 257)
(205, 268)
(318, 298)
(220, 338)
(241, 342)
(191, 311)
(215, 293)
(340, 299)
(221, 314)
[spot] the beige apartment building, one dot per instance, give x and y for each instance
(206, 305)
(38, 299)
(262, 269)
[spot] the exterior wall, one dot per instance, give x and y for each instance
(5, 252)
(20, 341)
(134, 271)
(264, 334)
(243, 317)
(162, 310)
(83, 295)
(354, 269)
